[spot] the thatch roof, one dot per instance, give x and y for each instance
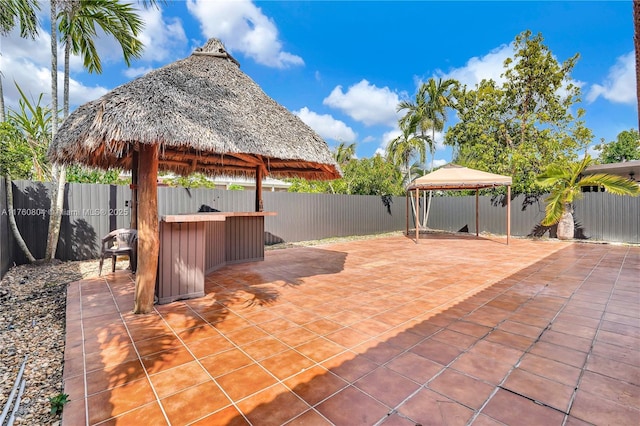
(206, 116)
(453, 176)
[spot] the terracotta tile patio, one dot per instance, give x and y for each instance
(453, 331)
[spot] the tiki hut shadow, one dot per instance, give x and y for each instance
(251, 288)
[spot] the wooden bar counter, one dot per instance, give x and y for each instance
(194, 245)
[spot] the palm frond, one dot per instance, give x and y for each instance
(616, 185)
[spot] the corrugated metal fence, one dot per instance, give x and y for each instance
(92, 210)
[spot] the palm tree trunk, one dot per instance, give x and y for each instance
(433, 152)
(3, 118)
(566, 225)
(12, 221)
(58, 171)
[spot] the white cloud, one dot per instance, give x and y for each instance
(243, 27)
(489, 66)
(439, 163)
(620, 84)
(28, 63)
(366, 103)
(386, 138)
(134, 72)
(327, 126)
(163, 38)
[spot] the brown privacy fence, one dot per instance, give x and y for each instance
(92, 210)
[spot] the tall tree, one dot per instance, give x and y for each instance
(519, 127)
(626, 147)
(14, 13)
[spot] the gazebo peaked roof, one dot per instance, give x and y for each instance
(205, 115)
(453, 176)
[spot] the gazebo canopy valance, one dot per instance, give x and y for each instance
(455, 177)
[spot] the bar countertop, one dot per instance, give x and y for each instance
(210, 216)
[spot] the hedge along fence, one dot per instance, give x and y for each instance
(92, 210)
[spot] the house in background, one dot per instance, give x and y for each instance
(627, 169)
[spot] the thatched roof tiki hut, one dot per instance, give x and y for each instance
(199, 114)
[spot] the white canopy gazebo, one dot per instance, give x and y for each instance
(454, 177)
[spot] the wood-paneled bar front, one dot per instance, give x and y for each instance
(194, 245)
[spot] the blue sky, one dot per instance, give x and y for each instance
(342, 67)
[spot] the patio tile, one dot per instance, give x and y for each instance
(264, 348)
(115, 375)
(613, 368)
(245, 381)
(182, 409)
(286, 364)
(511, 409)
(540, 389)
(430, 408)
(147, 414)
(550, 369)
(273, 406)
(351, 406)
(229, 416)
(320, 349)
(475, 365)
(596, 410)
(461, 388)
(386, 386)
(225, 362)
(615, 390)
(309, 418)
(113, 402)
(177, 379)
(367, 332)
(160, 361)
(209, 346)
(349, 366)
(315, 384)
(436, 351)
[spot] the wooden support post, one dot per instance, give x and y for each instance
(134, 190)
(147, 229)
(417, 218)
(477, 220)
(258, 188)
(407, 202)
(508, 213)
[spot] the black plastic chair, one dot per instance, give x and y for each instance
(118, 243)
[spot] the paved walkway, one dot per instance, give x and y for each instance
(455, 330)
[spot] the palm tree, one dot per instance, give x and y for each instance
(24, 12)
(429, 110)
(403, 148)
(565, 185)
(78, 20)
(344, 153)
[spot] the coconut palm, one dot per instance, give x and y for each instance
(14, 13)
(344, 153)
(429, 110)
(78, 20)
(405, 147)
(565, 183)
